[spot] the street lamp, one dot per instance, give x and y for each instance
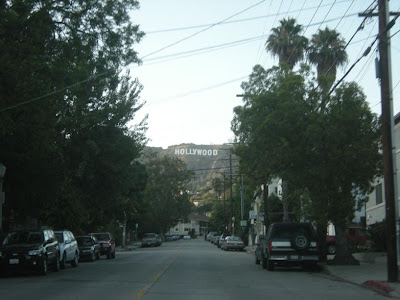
(2, 173)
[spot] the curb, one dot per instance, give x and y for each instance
(379, 286)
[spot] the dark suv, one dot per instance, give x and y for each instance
(30, 250)
(288, 244)
(106, 242)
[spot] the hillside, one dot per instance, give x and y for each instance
(207, 161)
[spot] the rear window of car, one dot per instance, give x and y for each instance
(84, 241)
(102, 236)
(290, 232)
(234, 238)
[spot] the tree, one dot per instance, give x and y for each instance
(166, 196)
(327, 52)
(286, 43)
(326, 155)
(65, 107)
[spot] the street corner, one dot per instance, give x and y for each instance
(381, 287)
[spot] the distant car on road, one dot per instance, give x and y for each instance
(107, 243)
(150, 240)
(186, 237)
(69, 251)
(89, 247)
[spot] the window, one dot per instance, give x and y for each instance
(378, 193)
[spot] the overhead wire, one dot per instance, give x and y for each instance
(110, 72)
(366, 52)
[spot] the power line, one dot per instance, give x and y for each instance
(205, 29)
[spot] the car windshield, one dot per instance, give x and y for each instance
(59, 237)
(102, 236)
(149, 235)
(85, 241)
(23, 237)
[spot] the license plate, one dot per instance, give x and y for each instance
(294, 257)
(14, 261)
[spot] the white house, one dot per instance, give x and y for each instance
(195, 221)
(375, 207)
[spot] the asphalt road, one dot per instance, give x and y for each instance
(192, 269)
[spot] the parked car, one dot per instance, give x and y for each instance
(357, 236)
(150, 240)
(232, 243)
(214, 237)
(209, 235)
(186, 237)
(89, 247)
(288, 244)
(106, 242)
(220, 240)
(171, 237)
(69, 251)
(30, 250)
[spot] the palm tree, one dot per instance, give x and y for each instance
(286, 43)
(327, 52)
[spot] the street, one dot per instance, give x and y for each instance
(185, 269)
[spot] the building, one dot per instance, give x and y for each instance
(195, 221)
(375, 207)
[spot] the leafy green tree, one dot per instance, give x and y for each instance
(166, 196)
(286, 42)
(65, 108)
(326, 155)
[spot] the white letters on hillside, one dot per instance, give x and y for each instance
(203, 152)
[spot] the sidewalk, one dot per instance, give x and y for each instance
(371, 273)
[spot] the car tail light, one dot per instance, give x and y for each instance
(270, 245)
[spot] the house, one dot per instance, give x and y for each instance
(195, 221)
(375, 207)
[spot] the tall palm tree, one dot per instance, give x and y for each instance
(327, 52)
(286, 43)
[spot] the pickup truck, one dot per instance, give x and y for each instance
(357, 236)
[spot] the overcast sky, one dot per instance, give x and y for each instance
(196, 53)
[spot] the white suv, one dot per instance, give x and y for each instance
(69, 251)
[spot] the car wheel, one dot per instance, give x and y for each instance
(257, 261)
(331, 249)
(63, 261)
(108, 255)
(113, 254)
(43, 266)
(97, 255)
(263, 262)
(57, 263)
(270, 265)
(75, 262)
(93, 257)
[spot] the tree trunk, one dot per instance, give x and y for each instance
(343, 252)
(321, 233)
(285, 202)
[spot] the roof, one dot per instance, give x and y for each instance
(198, 217)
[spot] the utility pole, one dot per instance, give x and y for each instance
(387, 120)
(230, 189)
(389, 168)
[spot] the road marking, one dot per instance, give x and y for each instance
(158, 276)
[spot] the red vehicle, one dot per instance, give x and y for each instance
(357, 236)
(107, 243)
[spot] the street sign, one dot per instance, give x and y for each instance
(252, 214)
(243, 223)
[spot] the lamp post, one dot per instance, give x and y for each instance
(2, 173)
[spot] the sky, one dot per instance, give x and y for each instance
(196, 54)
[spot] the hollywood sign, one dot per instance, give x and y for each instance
(203, 152)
